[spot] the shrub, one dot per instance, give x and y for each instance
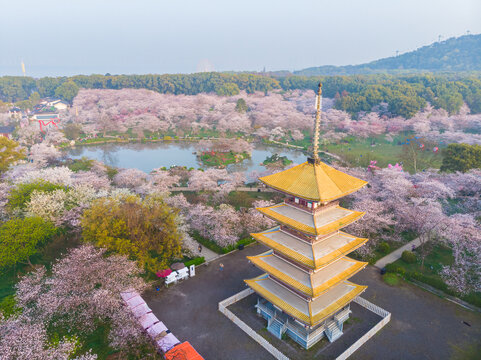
(391, 279)
(22, 238)
(195, 261)
(82, 164)
(21, 195)
(111, 172)
(393, 268)
(384, 247)
(408, 257)
(245, 241)
(144, 229)
(8, 306)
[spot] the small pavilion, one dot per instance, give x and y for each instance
(304, 291)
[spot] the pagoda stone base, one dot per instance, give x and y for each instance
(280, 324)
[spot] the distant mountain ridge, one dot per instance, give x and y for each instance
(455, 54)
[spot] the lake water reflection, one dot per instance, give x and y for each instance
(149, 156)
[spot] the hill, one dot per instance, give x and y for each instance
(455, 54)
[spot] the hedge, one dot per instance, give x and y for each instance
(217, 248)
(195, 261)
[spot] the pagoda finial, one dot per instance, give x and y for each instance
(317, 125)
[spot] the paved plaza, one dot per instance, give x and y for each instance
(423, 326)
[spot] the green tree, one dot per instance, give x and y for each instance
(30, 103)
(22, 238)
(405, 105)
(241, 106)
(67, 91)
(20, 195)
(461, 157)
(415, 156)
(145, 230)
(9, 153)
(72, 131)
(227, 89)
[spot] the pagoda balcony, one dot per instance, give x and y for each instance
(319, 223)
(308, 284)
(316, 255)
(309, 312)
(308, 206)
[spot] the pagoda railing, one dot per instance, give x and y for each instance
(291, 202)
(297, 234)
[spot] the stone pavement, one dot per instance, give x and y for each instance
(423, 326)
(396, 254)
(208, 254)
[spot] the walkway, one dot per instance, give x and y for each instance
(396, 254)
(248, 189)
(208, 254)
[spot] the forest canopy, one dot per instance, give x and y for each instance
(404, 94)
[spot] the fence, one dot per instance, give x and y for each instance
(259, 339)
(386, 317)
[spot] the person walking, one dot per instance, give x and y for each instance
(200, 248)
(221, 267)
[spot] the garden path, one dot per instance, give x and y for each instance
(242, 188)
(396, 254)
(208, 254)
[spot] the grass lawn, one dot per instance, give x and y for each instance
(379, 252)
(212, 245)
(212, 158)
(439, 257)
(359, 152)
(239, 199)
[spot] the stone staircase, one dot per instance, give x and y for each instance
(275, 327)
(333, 332)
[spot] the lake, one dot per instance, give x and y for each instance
(149, 156)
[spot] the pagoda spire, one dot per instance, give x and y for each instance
(317, 125)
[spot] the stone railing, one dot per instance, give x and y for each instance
(386, 317)
(255, 336)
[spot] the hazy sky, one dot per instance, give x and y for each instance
(66, 37)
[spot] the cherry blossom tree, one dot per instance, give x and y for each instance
(130, 178)
(426, 218)
(85, 283)
(462, 233)
(57, 175)
(163, 180)
(254, 221)
(4, 192)
(220, 225)
(42, 154)
(61, 206)
(91, 178)
(22, 340)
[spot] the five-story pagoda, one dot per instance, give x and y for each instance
(305, 292)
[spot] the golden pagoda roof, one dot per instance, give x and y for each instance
(309, 312)
(312, 284)
(315, 255)
(322, 222)
(314, 181)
